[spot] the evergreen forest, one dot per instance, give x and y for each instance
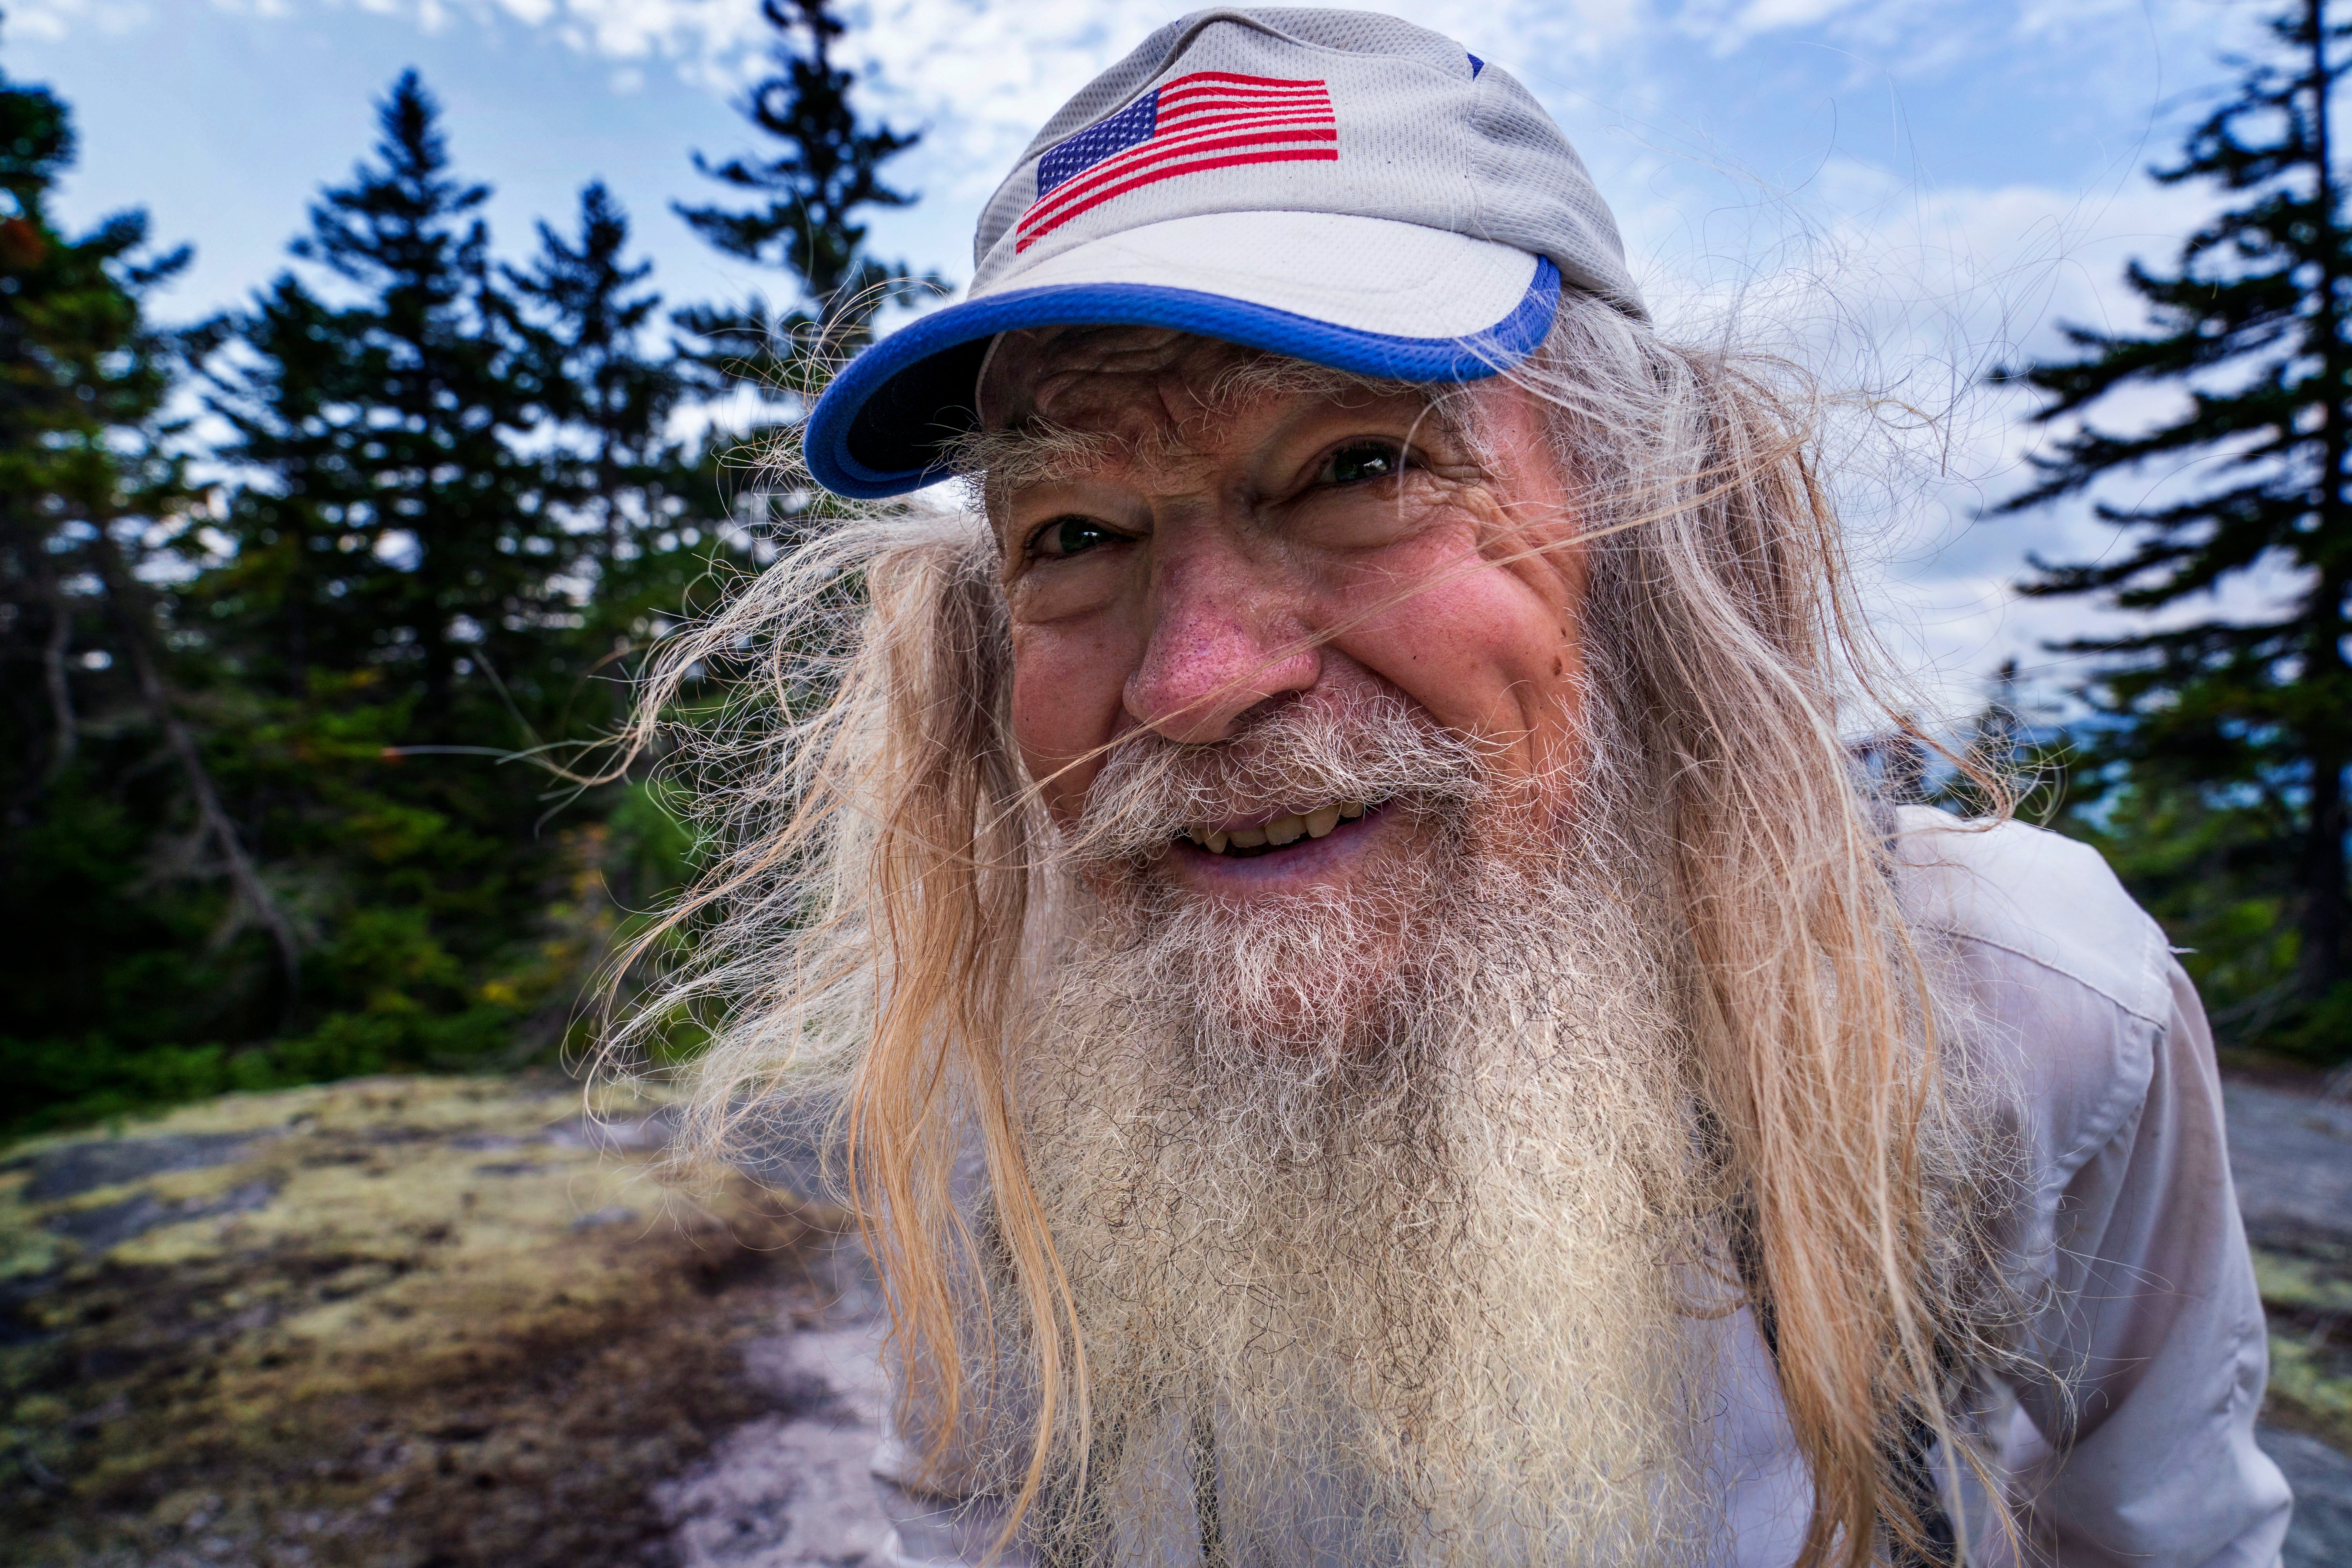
(308, 611)
(312, 612)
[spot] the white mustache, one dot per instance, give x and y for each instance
(1308, 751)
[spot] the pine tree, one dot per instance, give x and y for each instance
(258, 774)
(52, 288)
(402, 530)
(641, 489)
(400, 607)
(830, 173)
(617, 401)
(2250, 324)
(146, 914)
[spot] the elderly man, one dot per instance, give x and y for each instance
(1374, 1019)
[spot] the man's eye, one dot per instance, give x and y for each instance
(1069, 536)
(1361, 460)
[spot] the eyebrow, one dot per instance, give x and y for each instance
(1038, 451)
(1034, 452)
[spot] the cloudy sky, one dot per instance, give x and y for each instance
(1904, 191)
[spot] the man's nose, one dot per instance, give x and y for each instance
(1224, 639)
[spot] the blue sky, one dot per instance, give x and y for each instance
(1902, 191)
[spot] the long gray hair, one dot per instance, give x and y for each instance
(876, 851)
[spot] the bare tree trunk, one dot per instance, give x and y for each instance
(2323, 914)
(2323, 930)
(65, 725)
(127, 605)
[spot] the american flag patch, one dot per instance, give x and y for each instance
(1208, 120)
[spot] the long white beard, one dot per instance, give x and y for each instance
(1406, 1259)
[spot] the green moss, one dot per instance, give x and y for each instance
(2306, 1285)
(395, 1321)
(2302, 1283)
(2310, 1389)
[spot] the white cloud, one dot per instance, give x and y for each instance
(54, 19)
(1901, 297)
(696, 33)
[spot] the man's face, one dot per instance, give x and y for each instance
(1392, 1114)
(1209, 560)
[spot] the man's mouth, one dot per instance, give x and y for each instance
(1278, 832)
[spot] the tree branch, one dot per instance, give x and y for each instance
(128, 607)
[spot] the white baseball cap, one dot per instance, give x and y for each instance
(1337, 187)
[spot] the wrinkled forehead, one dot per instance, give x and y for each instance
(1095, 377)
(1055, 397)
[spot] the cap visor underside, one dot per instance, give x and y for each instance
(878, 428)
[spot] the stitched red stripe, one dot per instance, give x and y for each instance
(1193, 128)
(1248, 80)
(1162, 148)
(1163, 144)
(1214, 112)
(1286, 155)
(1208, 139)
(1143, 157)
(1168, 95)
(1178, 124)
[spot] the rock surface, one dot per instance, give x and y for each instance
(395, 1322)
(2321, 1534)
(792, 1489)
(415, 1322)
(2291, 1157)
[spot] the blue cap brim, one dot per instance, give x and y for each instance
(880, 428)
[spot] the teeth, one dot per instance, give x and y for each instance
(1288, 828)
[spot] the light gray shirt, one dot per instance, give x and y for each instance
(2130, 1439)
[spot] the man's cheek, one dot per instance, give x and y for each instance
(1066, 706)
(1476, 651)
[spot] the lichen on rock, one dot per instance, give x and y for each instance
(390, 1322)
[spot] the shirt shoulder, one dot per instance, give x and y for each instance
(2037, 897)
(2061, 981)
